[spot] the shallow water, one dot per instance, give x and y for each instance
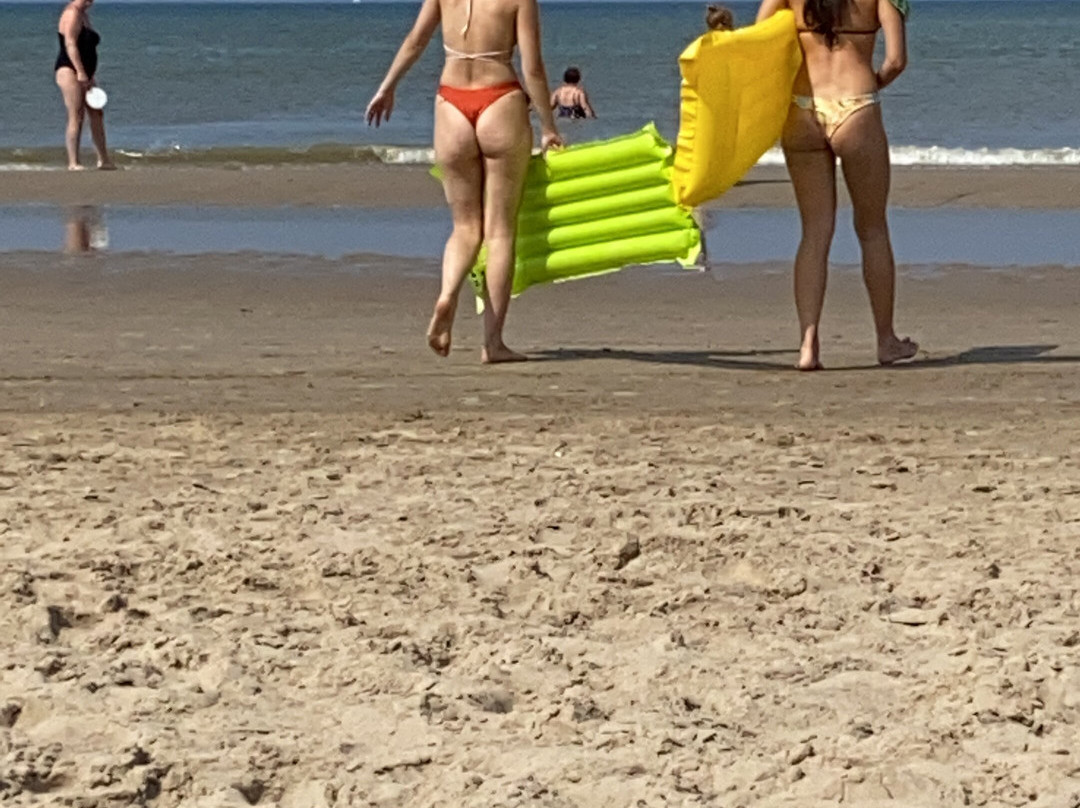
(330, 233)
(991, 238)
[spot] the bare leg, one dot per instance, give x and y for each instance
(812, 167)
(864, 153)
(77, 231)
(458, 155)
(97, 132)
(505, 138)
(75, 104)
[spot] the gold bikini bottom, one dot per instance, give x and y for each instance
(832, 112)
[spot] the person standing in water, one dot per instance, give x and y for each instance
(719, 18)
(835, 113)
(75, 69)
(483, 141)
(570, 99)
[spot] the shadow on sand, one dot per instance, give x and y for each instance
(764, 181)
(763, 360)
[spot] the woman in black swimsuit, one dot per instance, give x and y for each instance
(75, 67)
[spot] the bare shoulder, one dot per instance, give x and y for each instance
(70, 18)
(769, 7)
(864, 11)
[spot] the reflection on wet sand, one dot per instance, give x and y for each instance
(85, 230)
(937, 237)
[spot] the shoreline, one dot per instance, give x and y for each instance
(394, 187)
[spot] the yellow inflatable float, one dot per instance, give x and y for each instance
(736, 91)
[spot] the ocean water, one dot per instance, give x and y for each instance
(988, 82)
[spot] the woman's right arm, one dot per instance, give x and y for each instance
(892, 25)
(70, 26)
(532, 69)
(768, 8)
(411, 49)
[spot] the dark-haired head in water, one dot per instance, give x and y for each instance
(570, 100)
(719, 18)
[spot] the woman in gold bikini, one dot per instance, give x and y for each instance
(483, 140)
(835, 112)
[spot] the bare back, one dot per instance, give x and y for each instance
(569, 95)
(472, 27)
(846, 69)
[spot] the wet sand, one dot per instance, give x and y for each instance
(373, 185)
(296, 560)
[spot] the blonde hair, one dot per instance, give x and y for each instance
(719, 18)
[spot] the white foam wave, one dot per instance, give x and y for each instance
(938, 155)
(900, 156)
(405, 155)
(971, 158)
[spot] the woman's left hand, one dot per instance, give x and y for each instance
(550, 140)
(380, 107)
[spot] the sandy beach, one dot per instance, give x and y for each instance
(261, 547)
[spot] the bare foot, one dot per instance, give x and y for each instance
(810, 355)
(895, 349)
(108, 165)
(438, 333)
(76, 167)
(500, 353)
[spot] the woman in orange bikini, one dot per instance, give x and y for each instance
(835, 112)
(483, 140)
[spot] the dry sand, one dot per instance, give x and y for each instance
(259, 546)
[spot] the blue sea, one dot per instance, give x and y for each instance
(989, 83)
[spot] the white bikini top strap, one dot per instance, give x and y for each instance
(491, 56)
(468, 17)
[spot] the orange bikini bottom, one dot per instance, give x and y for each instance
(472, 102)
